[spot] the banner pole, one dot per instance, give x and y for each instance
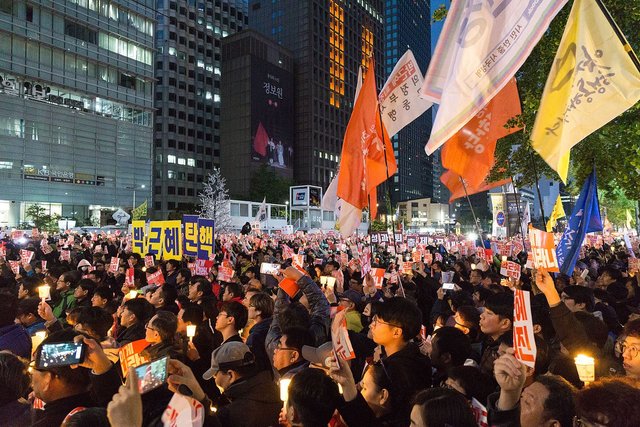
(535, 172)
(475, 219)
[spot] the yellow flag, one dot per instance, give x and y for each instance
(556, 214)
(593, 80)
(141, 211)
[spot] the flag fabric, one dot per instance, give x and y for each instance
(556, 214)
(482, 45)
(593, 80)
(261, 215)
(526, 219)
(585, 218)
(470, 152)
(607, 228)
(452, 181)
(261, 140)
(629, 219)
(140, 212)
(362, 162)
(400, 101)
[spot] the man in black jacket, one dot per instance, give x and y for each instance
(253, 396)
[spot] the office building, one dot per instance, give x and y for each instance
(257, 108)
(408, 26)
(76, 99)
(329, 40)
(187, 97)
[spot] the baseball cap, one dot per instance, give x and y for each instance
(229, 355)
(352, 296)
(318, 355)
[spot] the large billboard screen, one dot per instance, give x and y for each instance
(272, 113)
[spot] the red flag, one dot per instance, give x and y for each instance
(452, 181)
(470, 152)
(362, 165)
(261, 140)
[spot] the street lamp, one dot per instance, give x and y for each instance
(134, 193)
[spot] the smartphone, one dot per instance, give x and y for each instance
(61, 354)
(268, 268)
(584, 273)
(449, 286)
(152, 375)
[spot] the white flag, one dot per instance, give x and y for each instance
(330, 197)
(262, 212)
(400, 101)
(482, 45)
(526, 219)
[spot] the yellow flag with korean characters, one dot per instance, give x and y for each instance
(595, 77)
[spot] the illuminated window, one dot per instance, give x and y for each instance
(336, 53)
(367, 45)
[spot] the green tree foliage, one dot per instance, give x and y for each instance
(41, 219)
(265, 182)
(378, 226)
(614, 149)
(616, 205)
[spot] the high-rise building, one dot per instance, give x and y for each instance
(329, 40)
(256, 116)
(76, 99)
(187, 96)
(408, 26)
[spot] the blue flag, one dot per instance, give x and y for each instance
(585, 218)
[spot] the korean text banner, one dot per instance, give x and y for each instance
(482, 45)
(138, 241)
(190, 224)
(206, 243)
(165, 239)
(593, 80)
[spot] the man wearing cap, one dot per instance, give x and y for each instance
(254, 399)
(350, 300)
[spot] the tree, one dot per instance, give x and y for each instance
(613, 149)
(215, 202)
(265, 182)
(42, 220)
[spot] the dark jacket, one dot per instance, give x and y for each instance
(255, 402)
(489, 356)
(15, 338)
(16, 414)
(498, 418)
(320, 315)
(131, 334)
(357, 413)
(256, 340)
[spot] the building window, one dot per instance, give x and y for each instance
(182, 161)
(191, 162)
(336, 53)
(171, 158)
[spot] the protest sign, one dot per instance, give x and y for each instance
(510, 269)
(113, 265)
(183, 411)
(544, 250)
(156, 278)
(480, 413)
(65, 255)
(377, 274)
(524, 342)
(130, 355)
(340, 336)
(290, 286)
(225, 274)
(149, 261)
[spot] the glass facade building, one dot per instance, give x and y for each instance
(407, 26)
(187, 97)
(76, 107)
(329, 39)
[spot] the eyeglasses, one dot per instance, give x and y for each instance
(579, 422)
(375, 320)
(620, 348)
(222, 314)
(279, 347)
(148, 326)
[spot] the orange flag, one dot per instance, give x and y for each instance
(452, 181)
(470, 152)
(362, 164)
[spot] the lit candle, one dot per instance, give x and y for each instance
(191, 332)
(473, 266)
(284, 389)
(132, 294)
(331, 281)
(323, 280)
(37, 339)
(44, 292)
(504, 258)
(586, 368)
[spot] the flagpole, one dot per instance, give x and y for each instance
(475, 220)
(513, 183)
(535, 172)
(386, 167)
(621, 37)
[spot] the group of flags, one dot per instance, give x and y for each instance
(594, 78)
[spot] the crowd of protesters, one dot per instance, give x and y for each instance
(424, 355)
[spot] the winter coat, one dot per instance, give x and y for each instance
(256, 340)
(14, 338)
(255, 402)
